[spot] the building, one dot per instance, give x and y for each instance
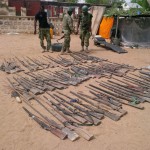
(127, 6)
(53, 8)
(32, 6)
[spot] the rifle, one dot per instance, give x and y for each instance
(38, 63)
(67, 61)
(122, 92)
(142, 77)
(66, 112)
(71, 135)
(10, 66)
(76, 128)
(57, 61)
(29, 82)
(34, 84)
(30, 68)
(51, 64)
(78, 70)
(140, 85)
(85, 116)
(130, 86)
(138, 81)
(116, 93)
(53, 130)
(92, 58)
(114, 96)
(98, 109)
(109, 102)
(28, 87)
(78, 59)
(145, 73)
(35, 66)
(90, 116)
(120, 87)
(45, 84)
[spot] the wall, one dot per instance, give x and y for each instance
(17, 4)
(23, 11)
(3, 11)
(25, 24)
(32, 7)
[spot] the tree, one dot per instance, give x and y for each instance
(69, 1)
(97, 1)
(142, 3)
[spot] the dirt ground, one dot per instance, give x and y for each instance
(19, 132)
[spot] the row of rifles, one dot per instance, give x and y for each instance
(11, 65)
(77, 109)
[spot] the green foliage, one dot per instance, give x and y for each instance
(116, 10)
(131, 12)
(142, 3)
(68, 1)
(97, 1)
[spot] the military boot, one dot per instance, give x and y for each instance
(49, 49)
(62, 51)
(82, 49)
(86, 50)
(43, 48)
(68, 50)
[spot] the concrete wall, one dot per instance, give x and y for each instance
(16, 24)
(23, 11)
(11, 11)
(4, 11)
(25, 24)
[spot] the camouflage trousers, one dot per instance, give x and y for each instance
(45, 33)
(84, 36)
(67, 39)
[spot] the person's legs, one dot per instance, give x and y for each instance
(48, 39)
(68, 43)
(65, 44)
(41, 37)
(82, 39)
(86, 40)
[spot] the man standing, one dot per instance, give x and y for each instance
(85, 22)
(67, 30)
(44, 29)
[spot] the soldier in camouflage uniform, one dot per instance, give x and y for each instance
(85, 22)
(67, 30)
(44, 29)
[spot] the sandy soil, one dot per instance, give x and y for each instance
(19, 132)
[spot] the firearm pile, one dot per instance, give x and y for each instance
(67, 114)
(10, 66)
(38, 83)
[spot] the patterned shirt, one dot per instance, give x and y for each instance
(68, 23)
(85, 21)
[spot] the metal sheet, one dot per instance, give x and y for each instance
(135, 31)
(97, 17)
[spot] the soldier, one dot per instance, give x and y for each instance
(44, 29)
(85, 22)
(67, 30)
